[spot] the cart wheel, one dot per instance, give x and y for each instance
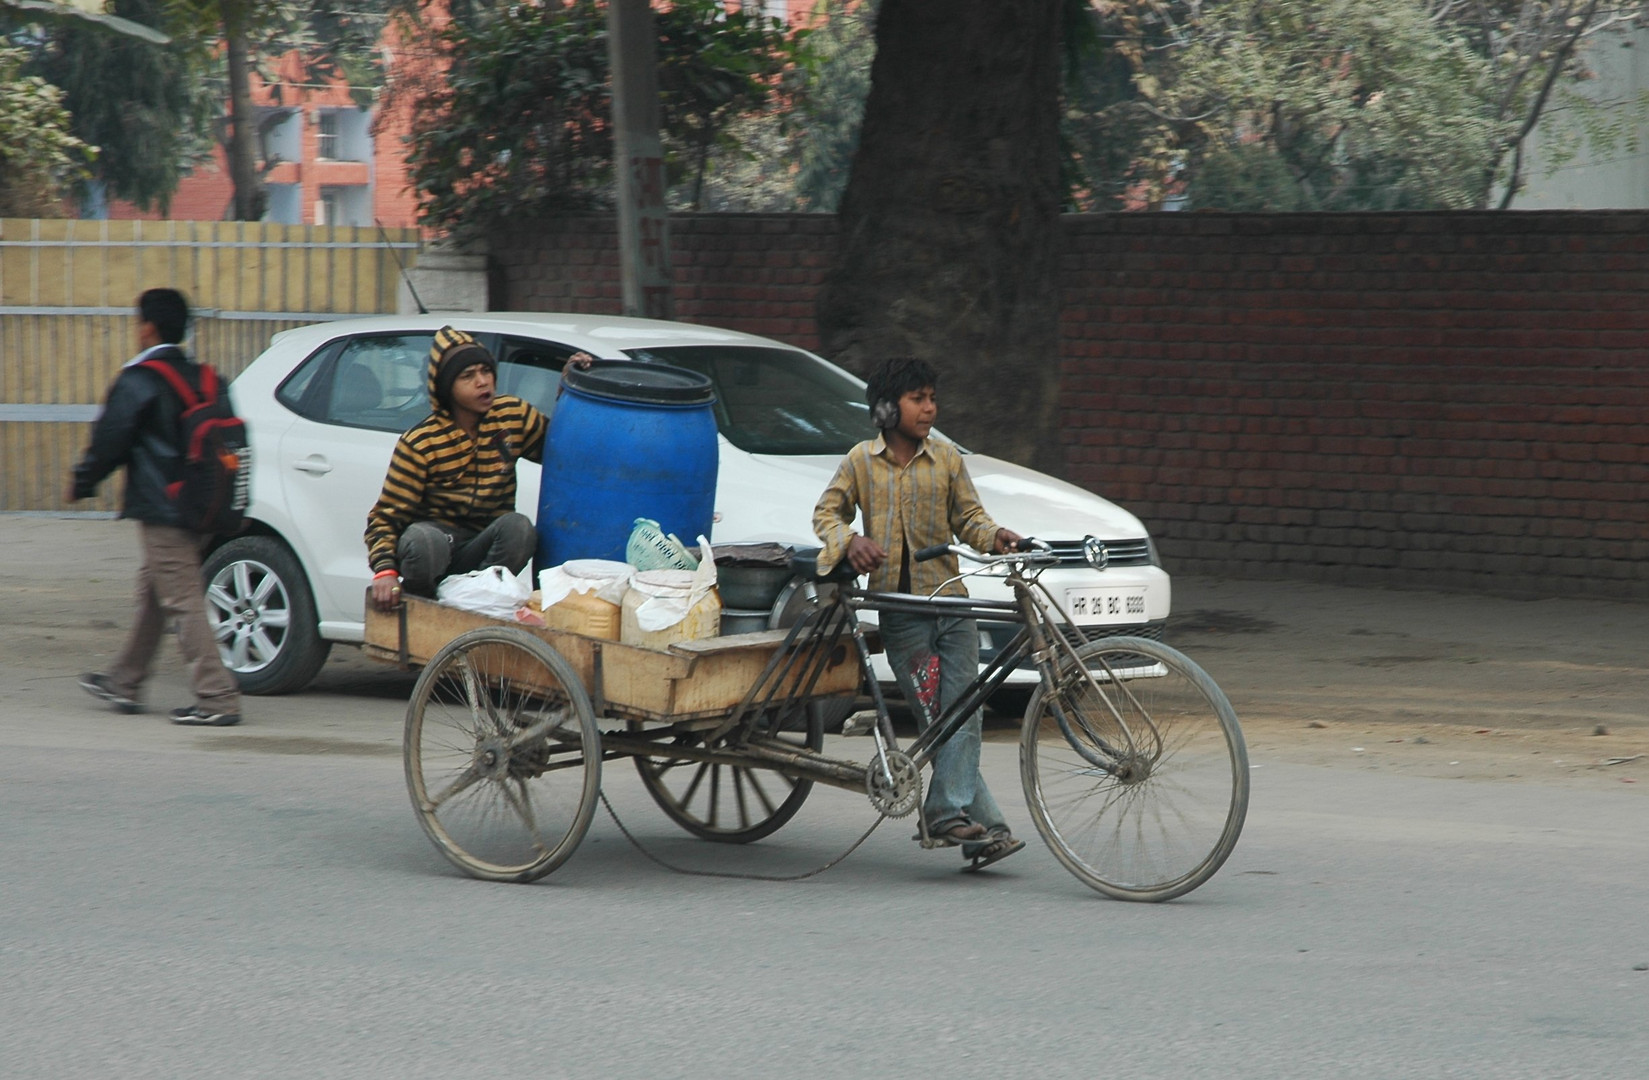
(503, 758)
(730, 804)
(1139, 781)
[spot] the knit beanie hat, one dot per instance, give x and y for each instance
(452, 352)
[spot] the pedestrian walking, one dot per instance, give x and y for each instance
(140, 430)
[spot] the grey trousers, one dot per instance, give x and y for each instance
(431, 550)
(169, 586)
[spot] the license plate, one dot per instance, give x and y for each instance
(1105, 605)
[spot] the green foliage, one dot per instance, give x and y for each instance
(832, 101)
(333, 39)
(521, 122)
(1364, 106)
(49, 13)
(1303, 105)
(715, 65)
(147, 108)
(336, 39)
(1324, 104)
(40, 158)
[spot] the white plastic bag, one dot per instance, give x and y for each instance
(671, 594)
(492, 591)
(607, 579)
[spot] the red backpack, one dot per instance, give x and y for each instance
(215, 489)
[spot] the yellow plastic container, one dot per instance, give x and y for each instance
(703, 619)
(587, 614)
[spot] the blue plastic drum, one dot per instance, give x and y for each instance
(627, 440)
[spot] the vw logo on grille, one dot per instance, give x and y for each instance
(1093, 549)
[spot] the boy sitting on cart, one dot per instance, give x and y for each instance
(915, 492)
(448, 504)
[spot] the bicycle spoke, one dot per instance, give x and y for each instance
(1163, 813)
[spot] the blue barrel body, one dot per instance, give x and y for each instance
(627, 440)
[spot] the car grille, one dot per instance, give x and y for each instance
(1077, 635)
(1000, 634)
(1118, 552)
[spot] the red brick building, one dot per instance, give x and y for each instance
(337, 164)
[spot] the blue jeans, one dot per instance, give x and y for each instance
(956, 788)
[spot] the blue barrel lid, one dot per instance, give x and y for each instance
(633, 380)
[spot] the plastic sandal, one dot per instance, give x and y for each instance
(954, 831)
(1000, 847)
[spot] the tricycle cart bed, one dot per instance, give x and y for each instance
(688, 681)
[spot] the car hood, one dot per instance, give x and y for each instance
(1018, 498)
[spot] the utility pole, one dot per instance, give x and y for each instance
(643, 224)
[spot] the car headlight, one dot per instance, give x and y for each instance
(1151, 549)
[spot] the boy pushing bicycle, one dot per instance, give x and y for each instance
(915, 492)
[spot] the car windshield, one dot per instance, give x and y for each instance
(774, 400)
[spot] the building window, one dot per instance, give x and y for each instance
(285, 204)
(343, 134)
(348, 204)
(282, 131)
(326, 142)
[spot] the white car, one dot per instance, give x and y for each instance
(324, 405)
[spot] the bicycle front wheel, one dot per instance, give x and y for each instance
(1135, 772)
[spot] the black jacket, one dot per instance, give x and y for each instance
(139, 429)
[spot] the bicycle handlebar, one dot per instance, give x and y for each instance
(1026, 544)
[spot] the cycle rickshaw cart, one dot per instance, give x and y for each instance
(1132, 762)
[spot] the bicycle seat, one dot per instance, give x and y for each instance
(805, 563)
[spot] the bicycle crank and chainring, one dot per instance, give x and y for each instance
(903, 794)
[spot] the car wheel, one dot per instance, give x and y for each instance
(263, 616)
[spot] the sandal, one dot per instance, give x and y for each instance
(1001, 845)
(953, 831)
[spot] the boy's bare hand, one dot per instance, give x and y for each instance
(1006, 540)
(386, 593)
(582, 359)
(865, 554)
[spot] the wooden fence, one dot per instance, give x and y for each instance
(67, 292)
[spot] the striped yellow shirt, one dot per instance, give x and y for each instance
(929, 501)
(438, 473)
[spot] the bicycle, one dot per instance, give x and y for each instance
(1133, 764)
(1132, 760)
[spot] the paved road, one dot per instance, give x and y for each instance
(259, 902)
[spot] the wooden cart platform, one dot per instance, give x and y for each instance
(689, 680)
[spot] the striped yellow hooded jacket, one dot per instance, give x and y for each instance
(438, 474)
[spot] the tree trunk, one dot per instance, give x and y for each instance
(950, 219)
(250, 197)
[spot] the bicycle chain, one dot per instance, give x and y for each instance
(727, 873)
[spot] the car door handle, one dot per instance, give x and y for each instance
(317, 466)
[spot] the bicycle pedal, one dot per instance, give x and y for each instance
(860, 723)
(930, 842)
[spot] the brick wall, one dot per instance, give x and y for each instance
(1449, 400)
(1456, 401)
(759, 273)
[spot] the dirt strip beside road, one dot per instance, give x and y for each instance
(1425, 683)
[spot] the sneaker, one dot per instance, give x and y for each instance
(101, 686)
(201, 716)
